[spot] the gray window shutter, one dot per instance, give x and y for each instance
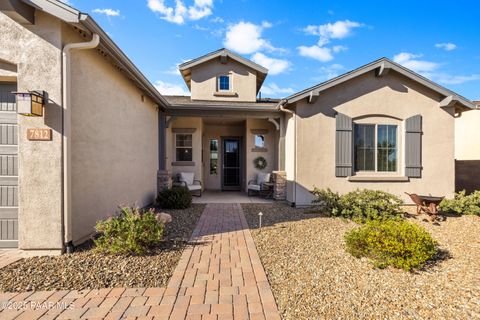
(413, 147)
(343, 146)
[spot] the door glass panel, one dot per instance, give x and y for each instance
(231, 163)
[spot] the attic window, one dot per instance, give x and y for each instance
(224, 83)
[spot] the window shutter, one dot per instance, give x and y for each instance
(413, 147)
(343, 146)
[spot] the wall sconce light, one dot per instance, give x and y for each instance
(31, 103)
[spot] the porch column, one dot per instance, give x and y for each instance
(279, 185)
(281, 143)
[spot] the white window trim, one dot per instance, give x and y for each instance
(399, 148)
(182, 147)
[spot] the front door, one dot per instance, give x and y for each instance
(231, 164)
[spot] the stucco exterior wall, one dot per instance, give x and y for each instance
(172, 165)
(114, 141)
(467, 136)
(243, 81)
(290, 156)
(214, 181)
(36, 50)
(271, 146)
(391, 96)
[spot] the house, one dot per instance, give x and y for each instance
(101, 135)
(99, 128)
(467, 151)
(380, 126)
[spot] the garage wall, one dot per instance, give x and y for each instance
(114, 141)
(35, 51)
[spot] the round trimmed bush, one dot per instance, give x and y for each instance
(396, 243)
(175, 198)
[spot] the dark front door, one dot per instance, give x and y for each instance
(231, 164)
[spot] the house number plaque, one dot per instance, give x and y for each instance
(37, 134)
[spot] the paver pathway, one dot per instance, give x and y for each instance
(220, 277)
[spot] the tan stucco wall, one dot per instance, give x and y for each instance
(114, 141)
(36, 50)
(391, 96)
(204, 81)
(467, 136)
(271, 144)
(185, 123)
(212, 181)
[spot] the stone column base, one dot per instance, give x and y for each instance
(279, 185)
(164, 180)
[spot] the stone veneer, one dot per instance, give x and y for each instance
(279, 185)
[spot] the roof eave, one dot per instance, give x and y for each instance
(74, 17)
(380, 64)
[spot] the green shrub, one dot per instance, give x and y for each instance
(396, 243)
(359, 205)
(327, 200)
(462, 203)
(132, 231)
(175, 198)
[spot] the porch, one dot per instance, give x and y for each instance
(223, 149)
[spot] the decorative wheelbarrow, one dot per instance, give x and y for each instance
(427, 204)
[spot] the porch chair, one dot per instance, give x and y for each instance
(256, 185)
(187, 179)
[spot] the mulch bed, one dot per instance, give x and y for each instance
(87, 269)
(312, 277)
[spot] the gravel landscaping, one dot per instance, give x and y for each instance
(312, 277)
(86, 269)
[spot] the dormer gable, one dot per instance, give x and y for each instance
(223, 76)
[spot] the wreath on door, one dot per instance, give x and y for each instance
(260, 163)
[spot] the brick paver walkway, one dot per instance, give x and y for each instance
(220, 277)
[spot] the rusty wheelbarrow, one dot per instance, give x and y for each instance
(427, 204)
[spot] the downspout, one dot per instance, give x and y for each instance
(67, 120)
(281, 107)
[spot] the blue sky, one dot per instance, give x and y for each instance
(302, 43)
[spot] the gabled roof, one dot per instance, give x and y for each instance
(83, 21)
(381, 67)
(222, 54)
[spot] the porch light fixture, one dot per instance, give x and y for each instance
(31, 103)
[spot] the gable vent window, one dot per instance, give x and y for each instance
(224, 83)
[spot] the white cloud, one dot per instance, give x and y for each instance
(322, 54)
(273, 90)
(338, 49)
(329, 72)
(411, 61)
(454, 79)
(274, 66)
(173, 89)
(108, 12)
(328, 31)
(429, 69)
(447, 46)
(246, 37)
(180, 12)
(217, 20)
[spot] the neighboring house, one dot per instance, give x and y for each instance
(103, 117)
(467, 150)
(113, 139)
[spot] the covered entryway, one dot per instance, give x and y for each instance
(8, 167)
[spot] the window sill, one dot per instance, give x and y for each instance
(378, 179)
(225, 94)
(258, 149)
(183, 164)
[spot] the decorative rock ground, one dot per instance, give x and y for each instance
(312, 277)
